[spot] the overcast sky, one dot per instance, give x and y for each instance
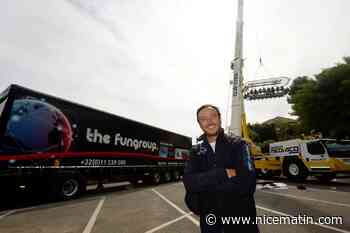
(156, 61)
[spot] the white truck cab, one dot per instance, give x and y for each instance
(323, 158)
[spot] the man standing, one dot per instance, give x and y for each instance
(220, 178)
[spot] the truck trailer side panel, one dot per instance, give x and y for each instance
(41, 134)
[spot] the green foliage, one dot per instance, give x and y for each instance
(277, 129)
(323, 103)
(297, 85)
(262, 132)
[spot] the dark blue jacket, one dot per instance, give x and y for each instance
(207, 183)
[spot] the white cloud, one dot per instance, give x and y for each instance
(157, 61)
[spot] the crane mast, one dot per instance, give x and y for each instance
(273, 87)
(237, 107)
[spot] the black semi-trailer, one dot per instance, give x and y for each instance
(58, 147)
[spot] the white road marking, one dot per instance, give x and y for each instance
(92, 220)
(192, 219)
(168, 223)
(320, 225)
(257, 206)
(7, 214)
(18, 211)
(4, 214)
(307, 199)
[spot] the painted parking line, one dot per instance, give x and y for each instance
(320, 225)
(70, 203)
(90, 225)
(168, 223)
(7, 214)
(257, 206)
(307, 199)
(192, 219)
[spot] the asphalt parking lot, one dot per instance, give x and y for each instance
(123, 208)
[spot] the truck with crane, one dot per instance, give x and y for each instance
(296, 159)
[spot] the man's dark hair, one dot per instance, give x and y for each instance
(208, 106)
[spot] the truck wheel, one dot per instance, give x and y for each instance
(167, 177)
(176, 175)
(294, 169)
(68, 187)
(324, 178)
(155, 178)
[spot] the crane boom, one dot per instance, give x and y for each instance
(237, 108)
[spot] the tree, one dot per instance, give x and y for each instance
(323, 103)
(297, 85)
(278, 131)
(262, 132)
(286, 131)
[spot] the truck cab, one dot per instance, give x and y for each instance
(323, 158)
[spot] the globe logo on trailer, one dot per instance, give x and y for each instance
(36, 126)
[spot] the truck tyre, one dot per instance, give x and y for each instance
(176, 175)
(167, 177)
(153, 178)
(294, 169)
(68, 186)
(325, 178)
